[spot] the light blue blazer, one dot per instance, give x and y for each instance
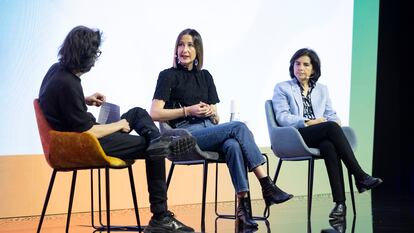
(288, 104)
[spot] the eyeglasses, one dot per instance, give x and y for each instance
(98, 53)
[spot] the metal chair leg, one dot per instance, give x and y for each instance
(203, 201)
(99, 198)
(279, 165)
(267, 162)
(351, 190)
(310, 186)
(170, 173)
(93, 204)
(220, 215)
(108, 207)
(71, 197)
(107, 227)
(72, 193)
(49, 191)
(353, 224)
(134, 198)
(265, 216)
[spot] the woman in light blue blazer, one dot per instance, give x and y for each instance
(304, 103)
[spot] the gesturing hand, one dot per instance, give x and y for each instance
(124, 126)
(95, 100)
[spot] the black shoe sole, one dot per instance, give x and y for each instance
(182, 145)
(163, 230)
(158, 231)
(269, 203)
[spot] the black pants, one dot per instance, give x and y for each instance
(329, 138)
(126, 146)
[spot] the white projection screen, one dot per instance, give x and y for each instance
(247, 46)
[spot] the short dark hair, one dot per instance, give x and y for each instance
(79, 49)
(315, 61)
(198, 44)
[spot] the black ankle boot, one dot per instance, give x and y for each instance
(271, 193)
(244, 214)
(339, 211)
(366, 183)
(338, 224)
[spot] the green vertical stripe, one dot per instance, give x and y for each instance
(363, 81)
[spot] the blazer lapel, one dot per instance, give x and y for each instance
(297, 96)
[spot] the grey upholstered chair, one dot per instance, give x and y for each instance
(288, 145)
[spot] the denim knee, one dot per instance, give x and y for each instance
(236, 164)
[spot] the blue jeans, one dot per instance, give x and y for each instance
(235, 141)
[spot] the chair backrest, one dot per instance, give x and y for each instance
(270, 115)
(71, 150)
(351, 136)
(44, 129)
(286, 142)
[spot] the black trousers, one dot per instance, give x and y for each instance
(329, 138)
(127, 146)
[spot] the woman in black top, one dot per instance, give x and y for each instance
(186, 97)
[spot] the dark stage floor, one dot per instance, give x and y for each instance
(373, 215)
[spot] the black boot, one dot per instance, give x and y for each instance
(339, 211)
(241, 229)
(366, 183)
(271, 193)
(339, 224)
(244, 214)
(164, 146)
